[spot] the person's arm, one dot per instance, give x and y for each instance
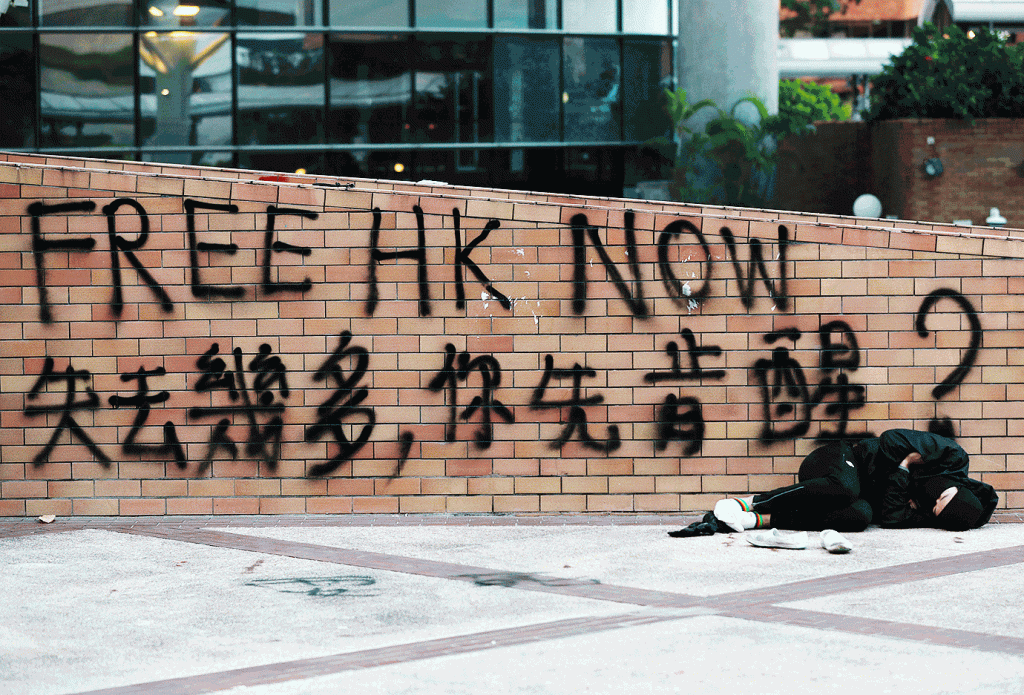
(939, 455)
(898, 509)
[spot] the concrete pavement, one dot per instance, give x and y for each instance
(466, 604)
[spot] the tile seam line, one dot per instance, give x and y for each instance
(887, 629)
(302, 669)
(868, 579)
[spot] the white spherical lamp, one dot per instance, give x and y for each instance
(867, 205)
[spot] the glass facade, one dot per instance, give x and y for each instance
(552, 95)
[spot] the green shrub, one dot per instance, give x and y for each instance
(951, 75)
(801, 104)
(732, 162)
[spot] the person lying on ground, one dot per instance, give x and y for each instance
(903, 478)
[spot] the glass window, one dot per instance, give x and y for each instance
(80, 13)
(280, 88)
(290, 13)
(445, 13)
(295, 161)
(592, 96)
(172, 14)
(389, 164)
(647, 67)
(16, 14)
(17, 86)
(526, 14)
(459, 167)
(369, 13)
(645, 16)
(525, 169)
(452, 91)
(86, 90)
(526, 98)
(590, 16)
(223, 160)
(185, 90)
(593, 172)
(370, 93)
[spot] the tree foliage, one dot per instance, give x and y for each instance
(811, 15)
(952, 74)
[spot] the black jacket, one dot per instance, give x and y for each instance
(890, 488)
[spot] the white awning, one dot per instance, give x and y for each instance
(985, 11)
(836, 57)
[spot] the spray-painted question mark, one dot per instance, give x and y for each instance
(954, 378)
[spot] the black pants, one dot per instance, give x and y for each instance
(827, 496)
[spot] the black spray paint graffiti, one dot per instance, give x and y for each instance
(486, 403)
(259, 405)
(119, 245)
(634, 297)
(419, 254)
(787, 397)
(42, 245)
(681, 419)
(575, 403)
(970, 355)
(510, 579)
(787, 400)
(632, 292)
(343, 404)
(71, 405)
(350, 586)
(142, 400)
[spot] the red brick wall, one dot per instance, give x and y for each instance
(581, 370)
(983, 167)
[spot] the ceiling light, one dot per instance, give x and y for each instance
(186, 11)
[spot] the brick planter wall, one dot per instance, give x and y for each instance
(983, 167)
(311, 345)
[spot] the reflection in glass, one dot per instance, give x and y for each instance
(592, 97)
(80, 13)
(223, 159)
(280, 88)
(453, 95)
(528, 169)
(592, 171)
(369, 13)
(17, 86)
(289, 13)
(185, 90)
(525, 14)
(647, 66)
(371, 90)
(288, 162)
(185, 13)
(374, 165)
(526, 104)
(447, 14)
(86, 91)
(462, 167)
(590, 16)
(645, 16)
(15, 13)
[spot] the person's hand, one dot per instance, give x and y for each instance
(944, 499)
(912, 458)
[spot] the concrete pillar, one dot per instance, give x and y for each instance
(728, 49)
